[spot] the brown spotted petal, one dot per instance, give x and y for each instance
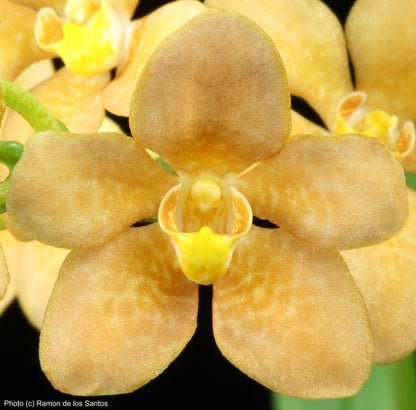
(311, 42)
(18, 47)
(213, 96)
(118, 315)
(74, 100)
(80, 190)
(149, 32)
(291, 317)
(384, 64)
(386, 276)
(333, 192)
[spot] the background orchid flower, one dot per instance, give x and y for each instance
(213, 101)
(80, 92)
(382, 106)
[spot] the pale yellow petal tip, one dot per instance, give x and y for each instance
(204, 252)
(89, 43)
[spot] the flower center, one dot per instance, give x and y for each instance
(89, 42)
(351, 117)
(204, 219)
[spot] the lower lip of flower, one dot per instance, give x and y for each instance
(204, 218)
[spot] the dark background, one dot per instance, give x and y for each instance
(199, 377)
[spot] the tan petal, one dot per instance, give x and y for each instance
(336, 192)
(2, 107)
(149, 33)
(125, 8)
(311, 42)
(109, 125)
(57, 5)
(80, 190)
(73, 99)
(203, 95)
(37, 271)
(4, 274)
(11, 250)
(384, 64)
(409, 162)
(301, 125)
(35, 74)
(386, 276)
(18, 48)
(118, 316)
(27, 79)
(292, 318)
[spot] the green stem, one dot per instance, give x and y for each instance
(4, 188)
(29, 108)
(10, 153)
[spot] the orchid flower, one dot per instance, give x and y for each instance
(30, 35)
(213, 102)
(382, 106)
(79, 93)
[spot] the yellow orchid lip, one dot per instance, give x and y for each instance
(351, 117)
(90, 41)
(204, 219)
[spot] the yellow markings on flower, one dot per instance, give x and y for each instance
(204, 255)
(89, 43)
(351, 117)
(81, 11)
(206, 193)
(204, 219)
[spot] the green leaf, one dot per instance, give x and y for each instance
(160, 161)
(411, 180)
(29, 108)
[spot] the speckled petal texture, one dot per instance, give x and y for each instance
(386, 276)
(215, 89)
(384, 64)
(311, 42)
(75, 190)
(118, 315)
(292, 318)
(332, 192)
